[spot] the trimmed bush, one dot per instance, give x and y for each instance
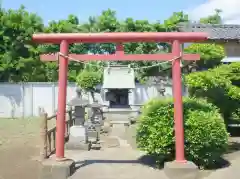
(206, 137)
(88, 80)
(211, 54)
(220, 86)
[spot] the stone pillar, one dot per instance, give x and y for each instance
(79, 114)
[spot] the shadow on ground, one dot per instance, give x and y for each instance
(144, 160)
(147, 160)
(233, 147)
(150, 161)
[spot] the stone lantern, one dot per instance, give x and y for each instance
(158, 81)
(96, 114)
(78, 138)
(79, 105)
(161, 88)
(95, 121)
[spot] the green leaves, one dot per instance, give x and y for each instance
(88, 80)
(205, 133)
(171, 23)
(220, 86)
(212, 19)
(18, 53)
(211, 54)
(20, 56)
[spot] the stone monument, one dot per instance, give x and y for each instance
(78, 138)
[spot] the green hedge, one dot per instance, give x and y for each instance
(220, 86)
(205, 133)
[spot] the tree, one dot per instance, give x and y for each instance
(211, 54)
(88, 81)
(19, 59)
(169, 25)
(213, 19)
(69, 25)
(219, 86)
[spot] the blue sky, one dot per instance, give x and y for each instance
(138, 9)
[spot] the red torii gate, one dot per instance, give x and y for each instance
(175, 38)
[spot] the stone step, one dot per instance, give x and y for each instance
(119, 128)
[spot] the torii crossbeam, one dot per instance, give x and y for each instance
(175, 38)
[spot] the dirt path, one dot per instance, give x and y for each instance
(17, 162)
(18, 148)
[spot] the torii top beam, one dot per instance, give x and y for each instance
(120, 37)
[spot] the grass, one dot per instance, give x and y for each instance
(19, 143)
(11, 130)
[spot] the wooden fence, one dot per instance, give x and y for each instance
(48, 135)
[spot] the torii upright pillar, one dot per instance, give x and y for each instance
(62, 93)
(177, 98)
(176, 38)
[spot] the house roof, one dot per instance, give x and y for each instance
(216, 32)
(118, 77)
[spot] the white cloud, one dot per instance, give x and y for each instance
(230, 8)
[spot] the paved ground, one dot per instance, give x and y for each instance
(19, 147)
(112, 163)
(123, 163)
(232, 171)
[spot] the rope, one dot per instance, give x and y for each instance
(72, 59)
(165, 62)
(136, 68)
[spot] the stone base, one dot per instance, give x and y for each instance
(93, 135)
(78, 146)
(52, 169)
(119, 128)
(96, 146)
(106, 127)
(181, 170)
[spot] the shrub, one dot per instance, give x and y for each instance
(88, 80)
(211, 54)
(220, 86)
(205, 133)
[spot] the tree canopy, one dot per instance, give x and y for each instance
(211, 54)
(19, 56)
(220, 85)
(213, 19)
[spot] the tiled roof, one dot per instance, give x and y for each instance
(216, 32)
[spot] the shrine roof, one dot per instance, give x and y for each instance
(216, 32)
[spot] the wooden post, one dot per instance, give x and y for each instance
(43, 134)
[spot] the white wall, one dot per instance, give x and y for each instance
(24, 100)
